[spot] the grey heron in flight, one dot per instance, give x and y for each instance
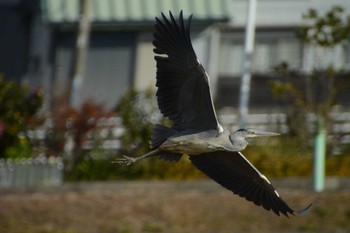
(184, 97)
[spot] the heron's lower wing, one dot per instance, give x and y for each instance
(234, 172)
(170, 157)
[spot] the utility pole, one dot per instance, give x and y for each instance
(80, 53)
(247, 62)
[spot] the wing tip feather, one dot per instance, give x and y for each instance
(304, 211)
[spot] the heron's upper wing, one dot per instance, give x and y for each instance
(233, 171)
(183, 85)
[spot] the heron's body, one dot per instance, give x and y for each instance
(198, 143)
(184, 97)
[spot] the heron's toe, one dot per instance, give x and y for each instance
(124, 161)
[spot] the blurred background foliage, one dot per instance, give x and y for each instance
(68, 130)
(18, 112)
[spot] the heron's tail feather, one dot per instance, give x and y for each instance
(160, 134)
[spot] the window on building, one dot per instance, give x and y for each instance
(270, 49)
(321, 58)
(230, 57)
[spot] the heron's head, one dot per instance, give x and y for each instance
(253, 133)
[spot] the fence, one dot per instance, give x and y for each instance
(31, 172)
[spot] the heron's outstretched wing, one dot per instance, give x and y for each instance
(183, 85)
(234, 172)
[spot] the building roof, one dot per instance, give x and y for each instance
(134, 11)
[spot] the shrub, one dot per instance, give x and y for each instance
(74, 125)
(19, 107)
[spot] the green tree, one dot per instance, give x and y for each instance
(326, 30)
(135, 110)
(19, 106)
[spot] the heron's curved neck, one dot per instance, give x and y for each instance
(238, 141)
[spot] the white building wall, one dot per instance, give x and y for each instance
(281, 13)
(145, 65)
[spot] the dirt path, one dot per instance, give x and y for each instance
(133, 207)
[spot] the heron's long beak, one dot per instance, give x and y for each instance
(259, 133)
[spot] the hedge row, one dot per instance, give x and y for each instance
(279, 159)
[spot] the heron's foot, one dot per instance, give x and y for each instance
(124, 161)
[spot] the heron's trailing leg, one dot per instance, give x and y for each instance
(126, 160)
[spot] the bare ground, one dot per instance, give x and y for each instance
(135, 207)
